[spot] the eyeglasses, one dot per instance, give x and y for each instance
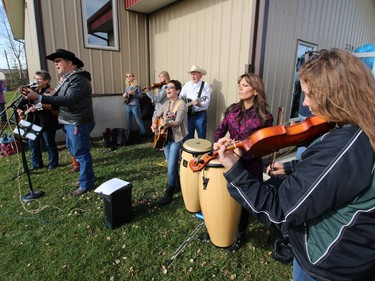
(171, 87)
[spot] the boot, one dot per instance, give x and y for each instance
(167, 196)
(75, 165)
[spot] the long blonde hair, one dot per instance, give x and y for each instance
(134, 83)
(341, 89)
(166, 75)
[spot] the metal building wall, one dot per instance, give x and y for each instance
(63, 29)
(214, 34)
(344, 24)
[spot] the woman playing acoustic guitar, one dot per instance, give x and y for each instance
(175, 125)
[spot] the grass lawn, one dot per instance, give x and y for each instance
(60, 237)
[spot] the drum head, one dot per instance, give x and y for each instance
(197, 146)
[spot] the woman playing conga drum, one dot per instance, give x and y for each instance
(241, 119)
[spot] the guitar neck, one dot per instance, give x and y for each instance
(194, 101)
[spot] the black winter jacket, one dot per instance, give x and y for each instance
(327, 205)
(74, 100)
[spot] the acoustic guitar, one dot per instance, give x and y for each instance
(130, 94)
(161, 135)
(190, 104)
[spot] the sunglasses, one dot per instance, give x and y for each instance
(171, 87)
(129, 75)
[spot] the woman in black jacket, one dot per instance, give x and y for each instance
(327, 203)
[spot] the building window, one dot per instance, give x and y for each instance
(302, 49)
(100, 24)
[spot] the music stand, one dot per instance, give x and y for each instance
(30, 131)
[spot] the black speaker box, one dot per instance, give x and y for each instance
(118, 207)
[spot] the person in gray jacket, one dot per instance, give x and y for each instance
(73, 97)
(327, 201)
(174, 128)
(131, 97)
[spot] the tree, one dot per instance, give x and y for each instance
(13, 50)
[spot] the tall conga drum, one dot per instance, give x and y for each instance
(220, 211)
(189, 181)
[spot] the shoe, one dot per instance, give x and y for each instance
(35, 168)
(240, 240)
(204, 237)
(51, 167)
(78, 192)
(167, 198)
(164, 201)
(75, 184)
(72, 170)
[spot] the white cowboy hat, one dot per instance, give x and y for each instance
(196, 68)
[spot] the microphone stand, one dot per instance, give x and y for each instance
(32, 195)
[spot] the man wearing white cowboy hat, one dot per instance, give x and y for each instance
(197, 92)
(72, 96)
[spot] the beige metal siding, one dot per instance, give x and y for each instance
(63, 29)
(328, 23)
(214, 34)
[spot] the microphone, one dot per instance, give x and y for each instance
(36, 82)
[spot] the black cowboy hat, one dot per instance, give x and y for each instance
(64, 54)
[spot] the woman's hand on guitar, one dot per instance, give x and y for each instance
(276, 169)
(154, 128)
(226, 157)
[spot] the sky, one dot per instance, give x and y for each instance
(3, 63)
(4, 41)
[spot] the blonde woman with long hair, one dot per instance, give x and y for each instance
(160, 98)
(132, 95)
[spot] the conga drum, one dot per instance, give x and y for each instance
(189, 181)
(220, 211)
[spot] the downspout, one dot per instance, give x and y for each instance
(259, 27)
(40, 34)
(264, 36)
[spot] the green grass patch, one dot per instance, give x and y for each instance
(60, 237)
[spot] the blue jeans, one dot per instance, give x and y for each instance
(197, 122)
(299, 274)
(36, 151)
(78, 143)
(136, 111)
(172, 154)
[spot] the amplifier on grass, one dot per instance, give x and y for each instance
(117, 196)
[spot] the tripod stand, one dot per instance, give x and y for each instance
(27, 132)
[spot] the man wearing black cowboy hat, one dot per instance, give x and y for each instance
(72, 96)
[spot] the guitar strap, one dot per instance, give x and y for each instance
(200, 89)
(175, 108)
(63, 80)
